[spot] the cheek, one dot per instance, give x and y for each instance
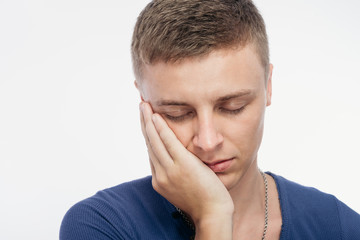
(246, 132)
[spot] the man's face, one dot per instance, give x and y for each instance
(215, 105)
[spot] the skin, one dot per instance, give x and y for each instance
(202, 119)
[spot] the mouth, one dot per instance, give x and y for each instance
(220, 166)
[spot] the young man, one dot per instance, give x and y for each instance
(202, 69)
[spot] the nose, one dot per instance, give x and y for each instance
(207, 136)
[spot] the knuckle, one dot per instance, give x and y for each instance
(161, 181)
(155, 185)
(172, 174)
(168, 144)
(171, 148)
(159, 184)
(147, 129)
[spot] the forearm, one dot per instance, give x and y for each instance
(219, 227)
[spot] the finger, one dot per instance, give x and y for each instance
(143, 130)
(154, 163)
(158, 148)
(142, 122)
(159, 173)
(155, 166)
(153, 172)
(169, 139)
(151, 159)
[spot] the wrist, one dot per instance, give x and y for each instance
(217, 226)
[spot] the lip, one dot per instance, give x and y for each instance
(220, 166)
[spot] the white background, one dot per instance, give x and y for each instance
(69, 111)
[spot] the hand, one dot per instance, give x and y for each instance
(181, 177)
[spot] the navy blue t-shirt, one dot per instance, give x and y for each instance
(134, 210)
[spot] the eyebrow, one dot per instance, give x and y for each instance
(170, 103)
(220, 99)
(234, 95)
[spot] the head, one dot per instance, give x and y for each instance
(170, 31)
(204, 66)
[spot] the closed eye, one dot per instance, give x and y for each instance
(231, 111)
(179, 118)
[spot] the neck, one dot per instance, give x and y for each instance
(248, 196)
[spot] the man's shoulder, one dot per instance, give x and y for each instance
(293, 191)
(304, 201)
(123, 195)
(309, 212)
(115, 211)
(127, 191)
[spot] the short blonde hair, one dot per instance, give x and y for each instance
(172, 30)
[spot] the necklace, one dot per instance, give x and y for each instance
(266, 204)
(191, 225)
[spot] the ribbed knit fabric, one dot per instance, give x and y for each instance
(308, 213)
(134, 210)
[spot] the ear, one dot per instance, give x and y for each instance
(269, 86)
(137, 85)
